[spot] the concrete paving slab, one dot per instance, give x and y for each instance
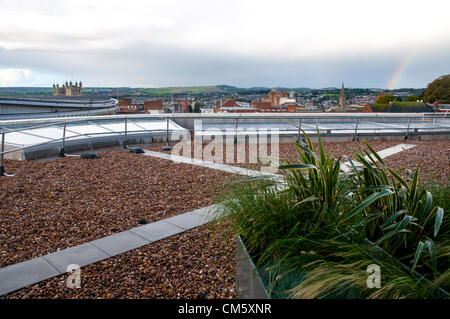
(120, 243)
(81, 255)
(157, 230)
(208, 164)
(346, 167)
(209, 213)
(26, 273)
(188, 220)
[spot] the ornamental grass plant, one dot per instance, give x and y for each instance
(315, 234)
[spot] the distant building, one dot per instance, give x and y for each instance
(68, 89)
(274, 102)
(267, 107)
(363, 99)
(342, 99)
(277, 102)
(440, 107)
(230, 103)
(278, 98)
(184, 105)
(127, 105)
(231, 106)
(155, 106)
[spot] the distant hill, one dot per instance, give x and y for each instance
(165, 91)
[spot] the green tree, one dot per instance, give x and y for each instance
(197, 106)
(413, 98)
(387, 98)
(438, 90)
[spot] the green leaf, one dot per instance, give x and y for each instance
(438, 220)
(414, 182)
(291, 166)
(390, 234)
(258, 177)
(392, 218)
(305, 150)
(375, 153)
(419, 250)
(399, 178)
(430, 245)
(309, 199)
(377, 188)
(406, 220)
(428, 202)
(369, 200)
(320, 146)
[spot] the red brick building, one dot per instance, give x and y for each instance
(276, 102)
(268, 107)
(155, 105)
(274, 97)
(127, 106)
(184, 105)
(230, 103)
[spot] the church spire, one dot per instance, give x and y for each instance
(342, 100)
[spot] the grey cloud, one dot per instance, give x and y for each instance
(151, 65)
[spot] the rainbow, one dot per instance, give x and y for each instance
(399, 71)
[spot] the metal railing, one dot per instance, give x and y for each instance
(64, 126)
(307, 121)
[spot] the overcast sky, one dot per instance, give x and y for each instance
(382, 43)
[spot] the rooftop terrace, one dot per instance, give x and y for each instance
(48, 206)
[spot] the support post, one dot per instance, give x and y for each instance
(2, 164)
(167, 130)
(125, 139)
(299, 127)
(167, 147)
(235, 131)
(355, 136)
(407, 130)
(62, 151)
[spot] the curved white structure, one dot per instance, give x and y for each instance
(55, 106)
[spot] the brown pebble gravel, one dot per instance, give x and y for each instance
(433, 155)
(195, 264)
(61, 203)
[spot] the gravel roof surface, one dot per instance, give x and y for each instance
(433, 155)
(57, 204)
(194, 264)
